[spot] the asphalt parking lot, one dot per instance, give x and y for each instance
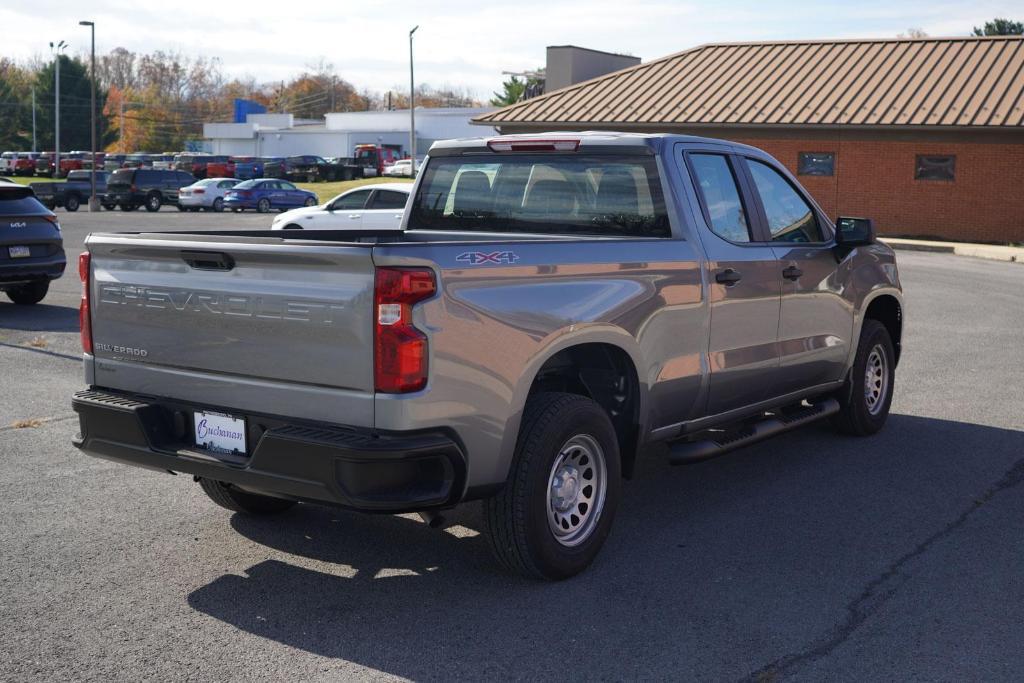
(811, 556)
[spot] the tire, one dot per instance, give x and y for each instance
(236, 500)
(863, 412)
(218, 204)
(263, 205)
(292, 226)
(27, 295)
(567, 437)
(71, 203)
(309, 202)
(154, 202)
(182, 208)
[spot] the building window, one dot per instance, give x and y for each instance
(816, 163)
(935, 167)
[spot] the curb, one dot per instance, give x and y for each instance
(985, 251)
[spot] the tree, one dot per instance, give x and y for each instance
(1000, 27)
(515, 90)
(511, 92)
(75, 118)
(15, 111)
(912, 33)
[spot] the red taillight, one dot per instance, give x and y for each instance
(200, 191)
(400, 350)
(84, 319)
(134, 189)
(537, 145)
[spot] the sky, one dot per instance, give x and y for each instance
(459, 43)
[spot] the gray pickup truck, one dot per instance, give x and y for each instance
(555, 304)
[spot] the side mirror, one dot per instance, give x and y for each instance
(854, 232)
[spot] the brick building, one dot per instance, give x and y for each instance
(926, 136)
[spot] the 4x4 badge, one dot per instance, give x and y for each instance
(479, 258)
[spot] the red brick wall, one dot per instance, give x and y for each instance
(875, 178)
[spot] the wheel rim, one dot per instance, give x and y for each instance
(154, 203)
(876, 380)
(576, 490)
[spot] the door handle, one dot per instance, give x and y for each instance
(728, 277)
(792, 273)
(354, 216)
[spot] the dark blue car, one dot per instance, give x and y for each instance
(266, 194)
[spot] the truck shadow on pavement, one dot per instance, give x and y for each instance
(754, 564)
(38, 318)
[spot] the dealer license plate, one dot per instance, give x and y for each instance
(219, 433)
(19, 252)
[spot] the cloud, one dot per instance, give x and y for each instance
(459, 43)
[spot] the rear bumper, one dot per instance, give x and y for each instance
(190, 200)
(234, 203)
(16, 271)
(336, 465)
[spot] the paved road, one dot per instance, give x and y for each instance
(810, 557)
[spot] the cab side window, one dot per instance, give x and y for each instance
(790, 217)
(720, 195)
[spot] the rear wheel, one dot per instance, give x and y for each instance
(867, 395)
(237, 500)
(29, 294)
(153, 202)
(71, 203)
(263, 205)
(309, 202)
(218, 204)
(553, 516)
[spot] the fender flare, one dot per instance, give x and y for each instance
(858, 320)
(566, 338)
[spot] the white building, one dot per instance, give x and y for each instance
(280, 135)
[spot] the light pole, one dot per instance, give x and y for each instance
(57, 49)
(412, 108)
(94, 202)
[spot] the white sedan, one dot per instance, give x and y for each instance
(205, 194)
(402, 167)
(368, 207)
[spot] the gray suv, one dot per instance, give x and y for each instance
(553, 305)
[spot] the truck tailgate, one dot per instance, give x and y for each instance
(244, 323)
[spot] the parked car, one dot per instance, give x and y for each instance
(401, 168)
(199, 165)
(112, 162)
(267, 194)
(130, 188)
(138, 160)
(25, 164)
(162, 162)
(556, 307)
(7, 160)
(374, 159)
(368, 207)
(247, 168)
(46, 165)
(31, 246)
(73, 192)
(207, 193)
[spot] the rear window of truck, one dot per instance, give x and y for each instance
(606, 195)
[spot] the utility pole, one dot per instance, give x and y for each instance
(56, 133)
(34, 149)
(94, 202)
(412, 108)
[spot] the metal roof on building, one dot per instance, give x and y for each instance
(960, 82)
